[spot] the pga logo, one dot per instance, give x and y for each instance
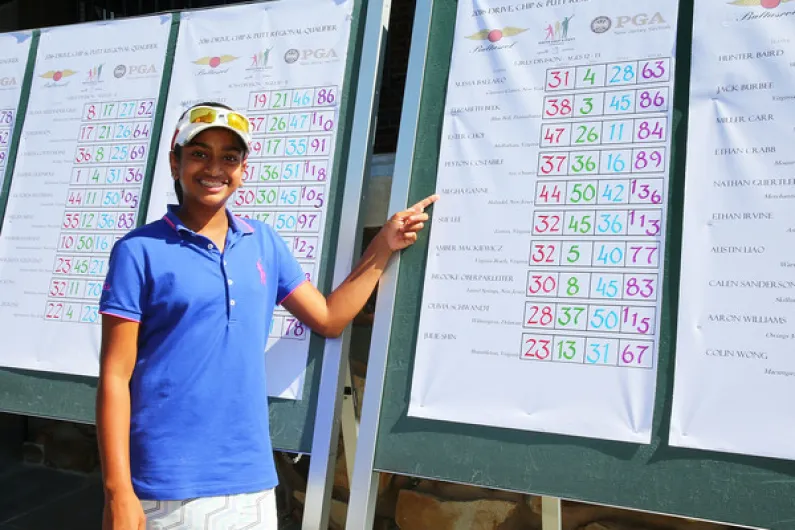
(292, 55)
(8, 81)
(603, 24)
(141, 69)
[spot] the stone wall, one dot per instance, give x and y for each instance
(404, 503)
(407, 503)
(61, 445)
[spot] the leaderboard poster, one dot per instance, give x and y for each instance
(14, 50)
(76, 186)
(283, 65)
(541, 302)
(735, 362)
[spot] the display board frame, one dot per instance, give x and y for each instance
(49, 394)
(721, 487)
(311, 424)
(22, 104)
(5, 184)
(72, 398)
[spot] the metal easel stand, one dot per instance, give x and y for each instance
(551, 517)
(350, 425)
(364, 487)
(335, 354)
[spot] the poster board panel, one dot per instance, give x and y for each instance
(654, 477)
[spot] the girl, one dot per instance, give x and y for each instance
(182, 412)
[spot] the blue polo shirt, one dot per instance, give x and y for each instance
(199, 405)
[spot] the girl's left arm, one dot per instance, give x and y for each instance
(329, 316)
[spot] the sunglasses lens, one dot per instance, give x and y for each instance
(203, 115)
(238, 122)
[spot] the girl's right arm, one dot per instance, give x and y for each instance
(117, 359)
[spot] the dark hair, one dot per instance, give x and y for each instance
(177, 186)
(177, 150)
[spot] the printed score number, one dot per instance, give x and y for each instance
(280, 196)
(293, 122)
(646, 191)
(295, 98)
(120, 110)
(582, 134)
(72, 312)
(588, 350)
(606, 103)
(589, 253)
(588, 285)
(287, 328)
(595, 222)
(625, 319)
(289, 147)
(110, 175)
(613, 74)
(608, 162)
(119, 131)
(272, 171)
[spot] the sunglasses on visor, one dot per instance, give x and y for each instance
(233, 119)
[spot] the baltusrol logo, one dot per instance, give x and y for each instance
(57, 76)
(767, 4)
(119, 71)
(770, 9)
(495, 36)
(214, 62)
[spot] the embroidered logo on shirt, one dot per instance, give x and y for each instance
(261, 272)
(106, 287)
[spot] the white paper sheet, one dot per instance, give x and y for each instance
(76, 186)
(283, 64)
(14, 50)
(542, 291)
(735, 353)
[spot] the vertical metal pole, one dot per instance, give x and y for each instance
(364, 488)
(335, 354)
(551, 517)
(350, 425)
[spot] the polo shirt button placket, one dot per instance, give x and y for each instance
(229, 283)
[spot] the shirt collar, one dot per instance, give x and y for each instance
(236, 224)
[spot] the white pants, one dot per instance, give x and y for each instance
(248, 511)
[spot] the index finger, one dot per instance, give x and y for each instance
(424, 203)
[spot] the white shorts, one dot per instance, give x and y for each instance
(248, 511)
